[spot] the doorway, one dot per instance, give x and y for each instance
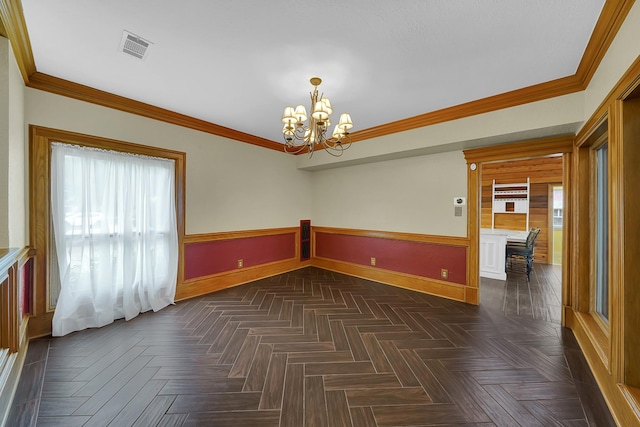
(556, 203)
(546, 271)
(537, 295)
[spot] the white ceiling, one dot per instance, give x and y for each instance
(238, 63)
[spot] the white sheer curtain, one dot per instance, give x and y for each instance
(114, 223)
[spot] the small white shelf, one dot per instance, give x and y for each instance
(510, 198)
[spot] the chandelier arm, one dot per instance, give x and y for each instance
(294, 149)
(335, 151)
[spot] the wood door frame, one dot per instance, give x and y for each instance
(559, 145)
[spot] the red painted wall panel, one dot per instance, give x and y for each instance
(218, 256)
(25, 288)
(420, 259)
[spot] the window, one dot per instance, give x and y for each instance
(601, 233)
(557, 218)
(115, 233)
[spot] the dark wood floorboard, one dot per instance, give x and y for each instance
(316, 348)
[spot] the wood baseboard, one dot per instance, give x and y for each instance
(439, 288)
(208, 284)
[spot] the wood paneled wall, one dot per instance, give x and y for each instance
(541, 172)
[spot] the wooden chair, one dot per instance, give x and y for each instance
(522, 251)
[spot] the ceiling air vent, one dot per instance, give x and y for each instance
(134, 45)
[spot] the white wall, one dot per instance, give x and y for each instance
(18, 161)
(624, 50)
(230, 185)
(4, 142)
(406, 195)
(13, 195)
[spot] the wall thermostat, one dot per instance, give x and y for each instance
(459, 201)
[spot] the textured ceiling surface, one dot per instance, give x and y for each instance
(238, 63)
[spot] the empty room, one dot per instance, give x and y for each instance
(428, 218)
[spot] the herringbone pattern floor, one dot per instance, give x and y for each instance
(312, 348)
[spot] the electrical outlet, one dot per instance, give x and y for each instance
(240, 263)
(444, 273)
(373, 261)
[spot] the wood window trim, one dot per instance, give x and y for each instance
(619, 376)
(598, 331)
(626, 231)
(604, 325)
(40, 139)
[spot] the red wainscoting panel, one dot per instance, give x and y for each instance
(25, 287)
(218, 256)
(417, 258)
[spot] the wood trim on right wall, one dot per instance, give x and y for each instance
(611, 348)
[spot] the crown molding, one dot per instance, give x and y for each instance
(69, 89)
(3, 31)
(609, 22)
(539, 92)
(16, 30)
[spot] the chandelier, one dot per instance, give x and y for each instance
(300, 136)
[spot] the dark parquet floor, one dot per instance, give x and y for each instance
(316, 348)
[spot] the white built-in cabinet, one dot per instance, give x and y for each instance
(492, 254)
(512, 198)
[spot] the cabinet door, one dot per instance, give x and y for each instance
(492, 256)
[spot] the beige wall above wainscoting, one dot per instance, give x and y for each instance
(13, 195)
(413, 195)
(230, 186)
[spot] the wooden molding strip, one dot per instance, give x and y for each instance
(522, 149)
(84, 93)
(58, 135)
(609, 22)
(3, 31)
(230, 235)
(16, 29)
(391, 235)
(203, 286)
(435, 287)
(539, 92)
